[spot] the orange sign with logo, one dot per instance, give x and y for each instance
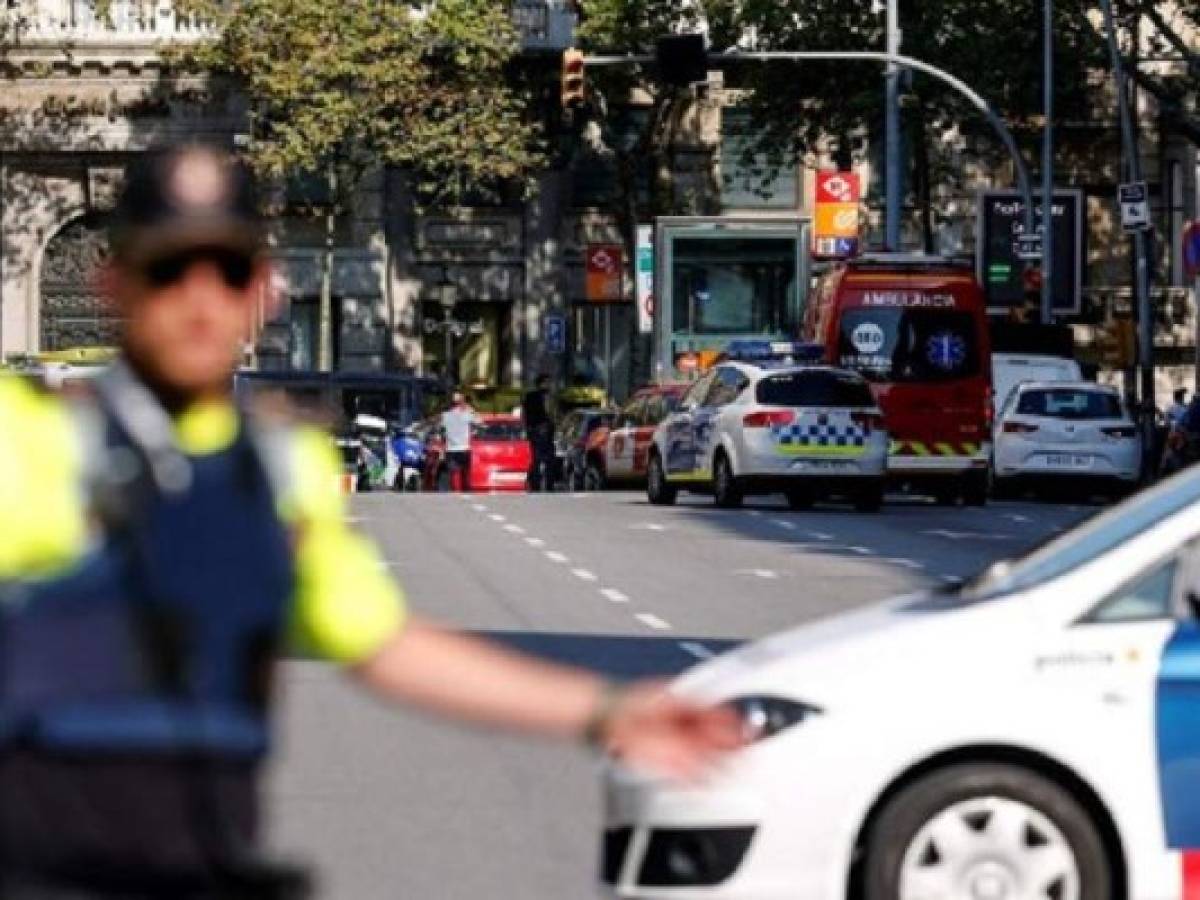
(604, 265)
(836, 221)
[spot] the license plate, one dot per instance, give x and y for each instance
(1068, 461)
(823, 465)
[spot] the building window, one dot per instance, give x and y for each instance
(748, 180)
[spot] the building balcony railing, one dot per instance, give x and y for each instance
(30, 23)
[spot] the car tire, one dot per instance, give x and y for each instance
(994, 816)
(946, 495)
(869, 499)
(975, 489)
(800, 499)
(658, 490)
(725, 487)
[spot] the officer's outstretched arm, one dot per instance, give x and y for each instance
(476, 681)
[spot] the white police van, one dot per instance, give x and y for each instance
(759, 422)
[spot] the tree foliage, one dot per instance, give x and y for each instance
(361, 84)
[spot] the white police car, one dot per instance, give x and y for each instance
(1034, 734)
(758, 423)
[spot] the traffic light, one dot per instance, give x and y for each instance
(682, 59)
(572, 92)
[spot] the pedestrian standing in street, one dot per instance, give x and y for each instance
(1178, 409)
(457, 423)
(161, 545)
(539, 427)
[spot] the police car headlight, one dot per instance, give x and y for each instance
(764, 716)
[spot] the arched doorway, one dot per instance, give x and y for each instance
(72, 312)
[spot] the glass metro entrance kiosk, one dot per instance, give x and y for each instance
(722, 278)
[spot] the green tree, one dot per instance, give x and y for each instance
(338, 90)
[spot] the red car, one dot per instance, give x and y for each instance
(500, 457)
(618, 454)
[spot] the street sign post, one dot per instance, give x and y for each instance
(1004, 246)
(1134, 199)
(556, 333)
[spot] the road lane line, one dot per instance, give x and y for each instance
(785, 524)
(535, 542)
(648, 526)
(614, 595)
(766, 574)
(584, 575)
(514, 529)
(755, 513)
(652, 621)
(697, 650)
(906, 563)
(819, 535)
(479, 507)
(951, 579)
(496, 517)
(555, 556)
(862, 551)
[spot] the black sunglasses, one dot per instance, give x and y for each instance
(236, 268)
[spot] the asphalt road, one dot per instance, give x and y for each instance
(389, 804)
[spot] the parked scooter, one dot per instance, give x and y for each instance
(409, 450)
(378, 465)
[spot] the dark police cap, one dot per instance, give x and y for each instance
(184, 198)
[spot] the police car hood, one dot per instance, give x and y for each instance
(908, 642)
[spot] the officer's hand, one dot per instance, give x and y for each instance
(650, 728)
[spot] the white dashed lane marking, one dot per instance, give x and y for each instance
(820, 536)
(906, 563)
(584, 575)
(514, 529)
(652, 621)
(765, 574)
(785, 524)
(496, 517)
(613, 595)
(479, 507)
(556, 557)
(648, 526)
(535, 542)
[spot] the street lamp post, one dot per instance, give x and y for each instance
(1048, 165)
(892, 131)
(447, 294)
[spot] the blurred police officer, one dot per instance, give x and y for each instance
(159, 545)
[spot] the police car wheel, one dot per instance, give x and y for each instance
(658, 491)
(985, 832)
(725, 489)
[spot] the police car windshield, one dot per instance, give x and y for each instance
(814, 388)
(1099, 535)
(1069, 403)
(909, 345)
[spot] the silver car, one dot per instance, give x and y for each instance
(807, 431)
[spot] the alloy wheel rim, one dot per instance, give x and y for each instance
(989, 848)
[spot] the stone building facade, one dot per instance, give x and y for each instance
(83, 97)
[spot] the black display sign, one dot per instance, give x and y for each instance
(998, 249)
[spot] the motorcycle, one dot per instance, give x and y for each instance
(409, 450)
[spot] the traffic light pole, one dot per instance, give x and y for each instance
(1048, 164)
(892, 149)
(907, 62)
(1133, 165)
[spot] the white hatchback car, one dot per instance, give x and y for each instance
(805, 431)
(1075, 430)
(1032, 734)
